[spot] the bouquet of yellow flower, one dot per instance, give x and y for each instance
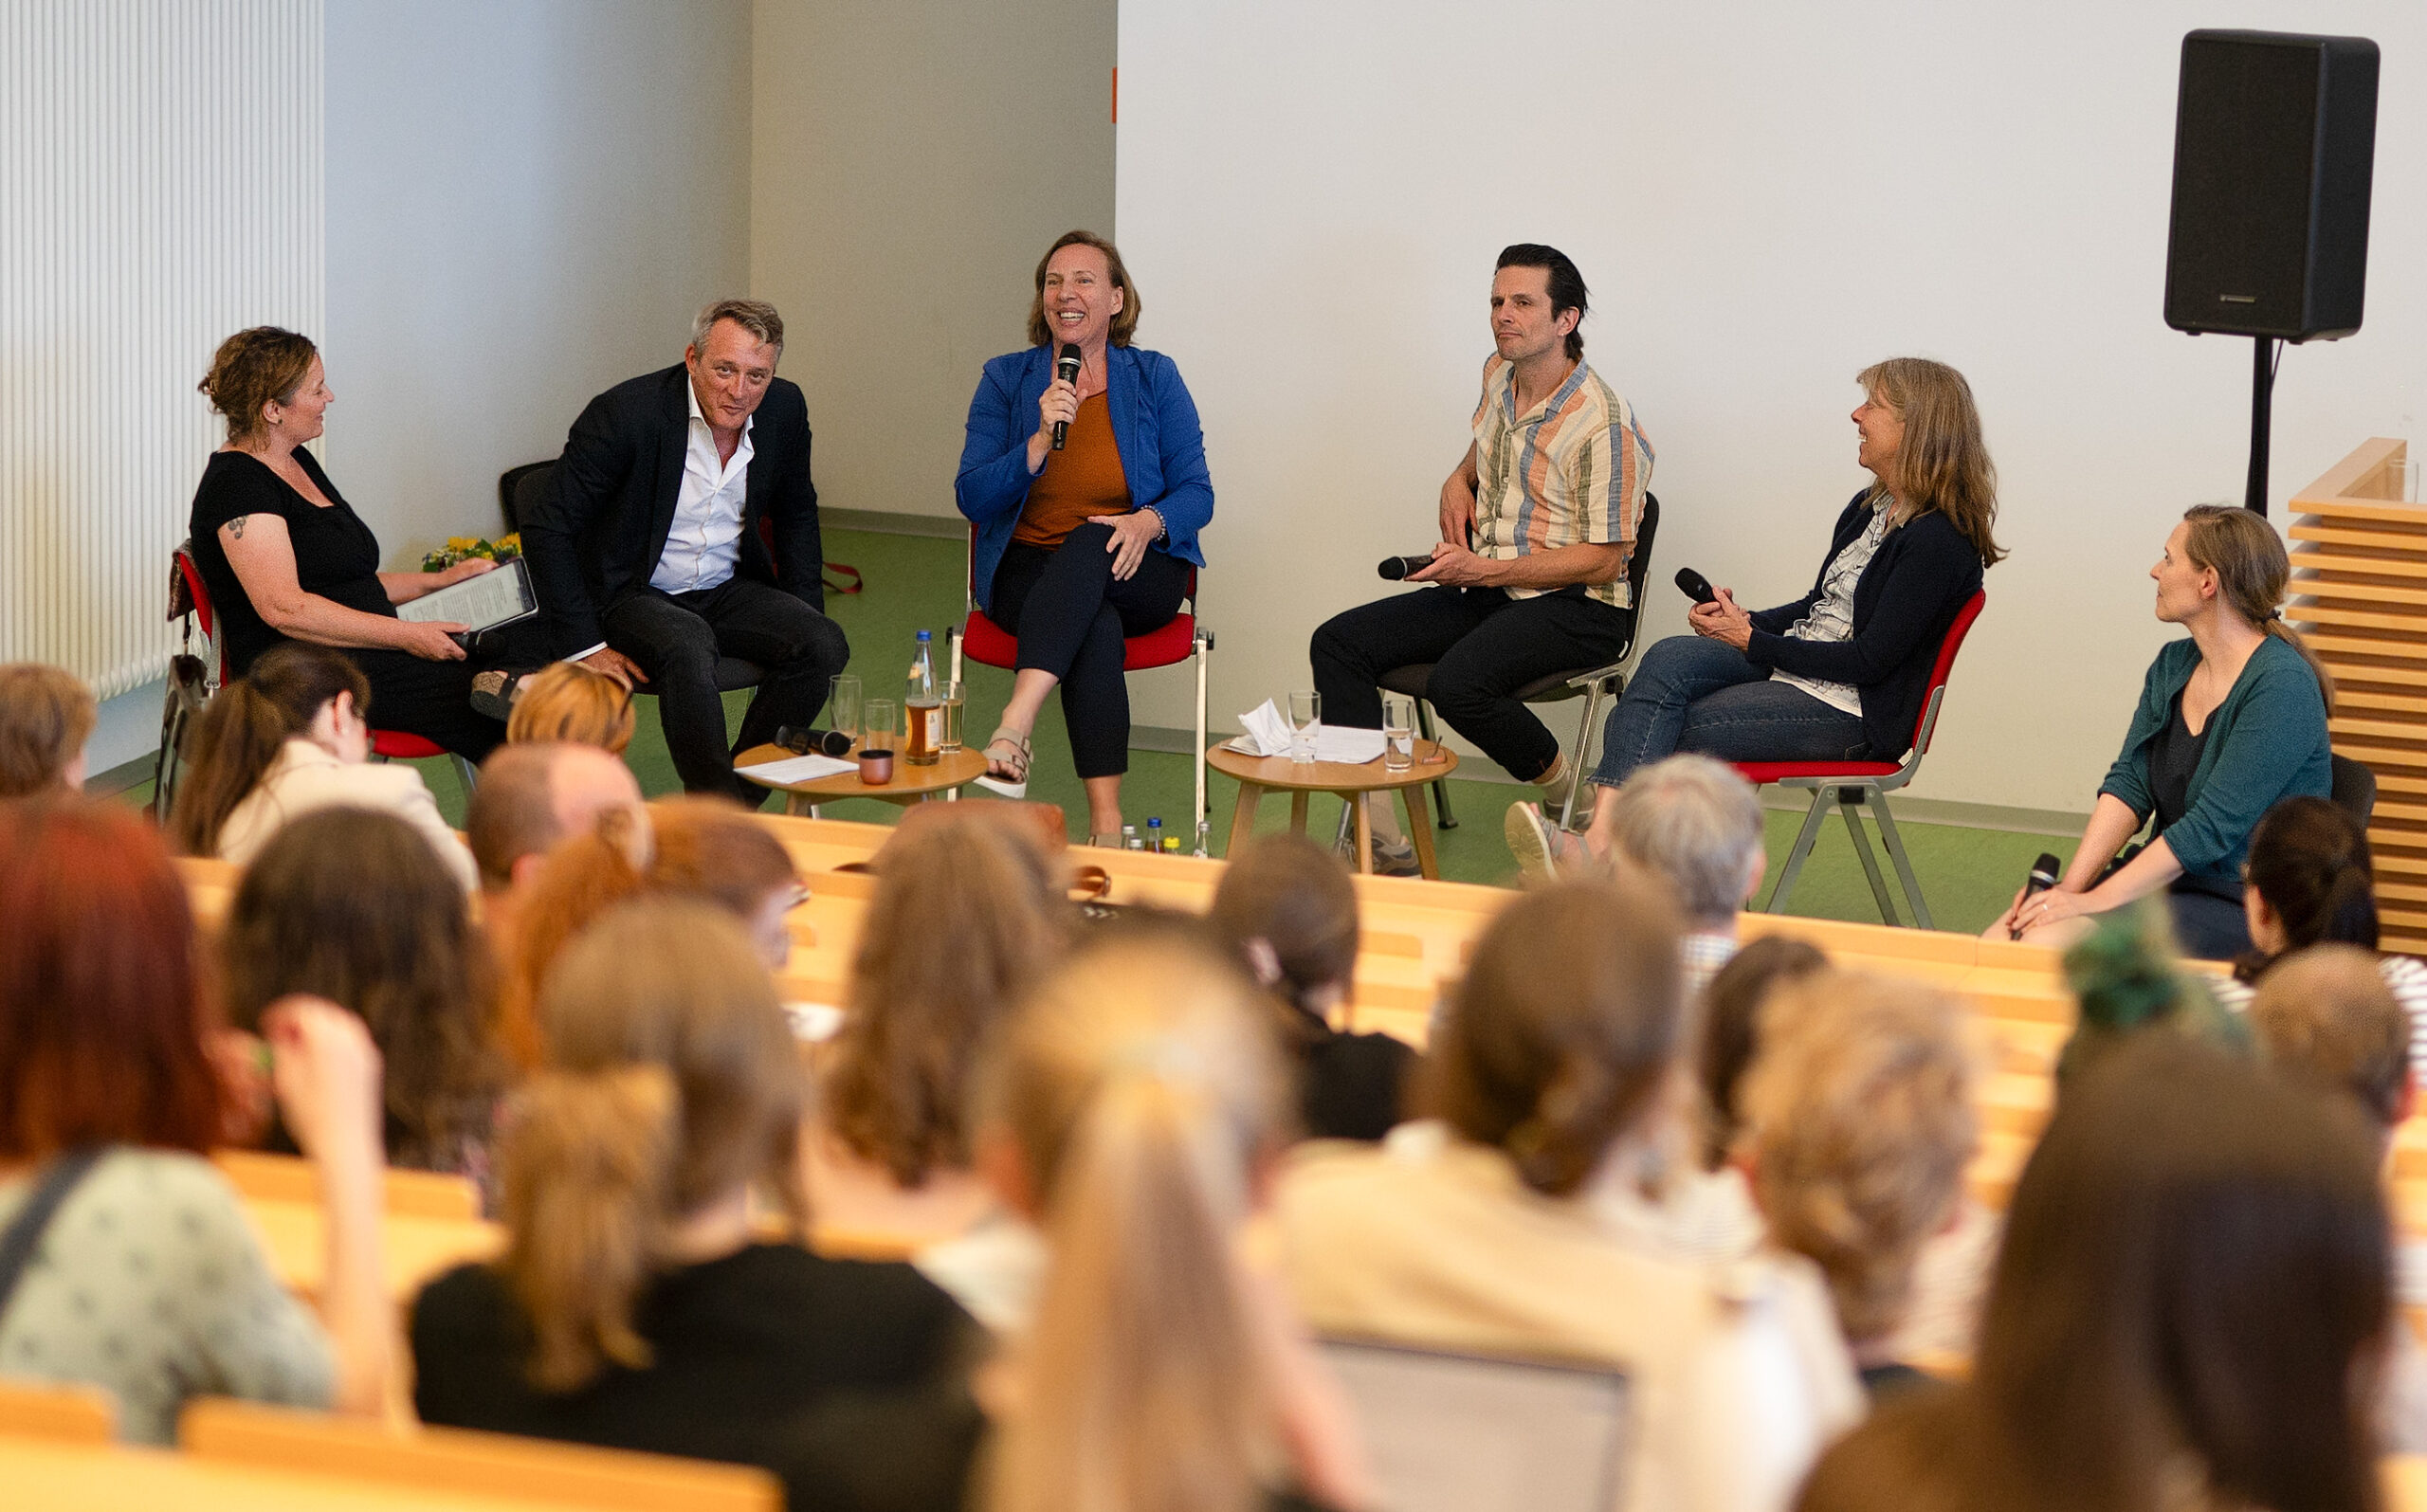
(458, 548)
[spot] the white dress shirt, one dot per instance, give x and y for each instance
(705, 542)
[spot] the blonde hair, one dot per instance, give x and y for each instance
(1861, 1108)
(2247, 556)
(46, 717)
(898, 1084)
(2325, 1013)
(670, 1079)
(1143, 1089)
(568, 702)
(708, 847)
(1943, 462)
(581, 878)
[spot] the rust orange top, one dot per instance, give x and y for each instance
(1084, 479)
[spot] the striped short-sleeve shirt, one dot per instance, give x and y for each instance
(1571, 469)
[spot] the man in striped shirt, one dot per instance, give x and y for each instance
(1538, 522)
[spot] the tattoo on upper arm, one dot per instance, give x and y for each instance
(236, 527)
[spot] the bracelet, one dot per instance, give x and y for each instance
(1162, 526)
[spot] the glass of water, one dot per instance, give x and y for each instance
(1305, 726)
(1398, 732)
(954, 695)
(843, 704)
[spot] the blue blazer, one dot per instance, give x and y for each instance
(1154, 428)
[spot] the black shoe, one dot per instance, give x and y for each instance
(493, 693)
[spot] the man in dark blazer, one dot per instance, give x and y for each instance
(647, 552)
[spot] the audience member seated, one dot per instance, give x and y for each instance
(633, 1306)
(2325, 1013)
(1553, 1072)
(967, 914)
(580, 878)
(1690, 826)
(566, 701)
(1862, 1122)
(349, 904)
(1731, 1038)
(646, 551)
(2309, 880)
(286, 739)
(2127, 982)
(1538, 522)
(286, 560)
(709, 849)
(1840, 673)
(1141, 1106)
(2232, 721)
(530, 797)
(46, 717)
(2190, 1309)
(1286, 908)
(1083, 544)
(146, 1278)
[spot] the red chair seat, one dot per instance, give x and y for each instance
(989, 645)
(1759, 773)
(399, 745)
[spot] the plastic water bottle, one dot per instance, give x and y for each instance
(1129, 840)
(1204, 837)
(922, 709)
(1155, 834)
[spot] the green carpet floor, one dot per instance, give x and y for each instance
(914, 582)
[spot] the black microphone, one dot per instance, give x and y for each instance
(1065, 368)
(2043, 876)
(1396, 568)
(802, 742)
(1696, 587)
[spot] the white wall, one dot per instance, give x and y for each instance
(1764, 198)
(527, 203)
(912, 162)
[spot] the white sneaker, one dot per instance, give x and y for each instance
(1540, 847)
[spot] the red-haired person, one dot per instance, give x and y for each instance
(145, 1276)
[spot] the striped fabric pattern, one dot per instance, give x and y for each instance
(1571, 469)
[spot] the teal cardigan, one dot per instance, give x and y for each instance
(2266, 743)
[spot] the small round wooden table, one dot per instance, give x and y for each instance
(910, 784)
(1258, 776)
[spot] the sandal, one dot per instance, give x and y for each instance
(1012, 761)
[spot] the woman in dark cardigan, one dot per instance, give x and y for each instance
(2232, 721)
(1841, 672)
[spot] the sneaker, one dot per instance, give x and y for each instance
(1541, 848)
(1395, 860)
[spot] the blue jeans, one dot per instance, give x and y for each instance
(1695, 694)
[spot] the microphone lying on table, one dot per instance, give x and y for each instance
(2043, 876)
(802, 742)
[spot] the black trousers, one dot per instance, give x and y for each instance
(1483, 644)
(1071, 615)
(434, 698)
(677, 638)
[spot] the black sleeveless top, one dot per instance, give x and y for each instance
(336, 554)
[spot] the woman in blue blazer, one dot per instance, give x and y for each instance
(1084, 543)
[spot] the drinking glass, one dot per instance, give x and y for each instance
(1398, 732)
(954, 695)
(880, 729)
(1305, 726)
(843, 704)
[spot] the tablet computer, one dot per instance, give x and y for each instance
(483, 603)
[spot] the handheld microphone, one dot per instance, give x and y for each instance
(1065, 368)
(1696, 587)
(802, 742)
(2043, 876)
(1395, 568)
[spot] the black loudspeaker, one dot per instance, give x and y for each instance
(2275, 140)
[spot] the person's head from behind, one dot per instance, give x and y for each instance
(2224, 559)
(1287, 908)
(292, 691)
(566, 701)
(735, 347)
(1922, 439)
(924, 997)
(582, 877)
(531, 797)
(1538, 301)
(710, 848)
(102, 1021)
(669, 1087)
(46, 717)
(1860, 1112)
(2197, 1262)
(1689, 825)
(2325, 1013)
(353, 905)
(1141, 1104)
(2308, 881)
(1563, 1039)
(1730, 1038)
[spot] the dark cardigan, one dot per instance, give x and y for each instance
(1925, 572)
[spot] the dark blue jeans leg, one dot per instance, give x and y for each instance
(1649, 718)
(1769, 721)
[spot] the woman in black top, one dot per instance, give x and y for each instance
(286, 558)
(634, 1305)
(1839, 673)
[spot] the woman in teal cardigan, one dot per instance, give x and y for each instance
(2231, 720)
